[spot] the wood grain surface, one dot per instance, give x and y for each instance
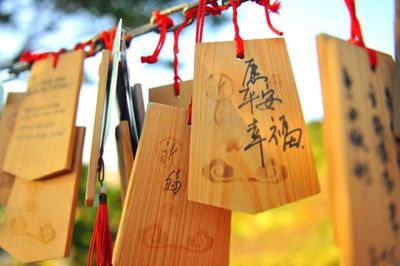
(159, 226)
(249, 148)
(39, 219)
(361, 152)
(42, 141)
(166, 94)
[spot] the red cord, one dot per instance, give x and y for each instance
(274, 8)
(201, 11)
(164, 22)
(106, 37)
(239, 41)
(189, 15)
(214, 10)
(356, 33)
(101, 240)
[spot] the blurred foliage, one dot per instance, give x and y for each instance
(134, 12)
(297, 234)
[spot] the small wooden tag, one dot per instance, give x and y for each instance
(125, 155)
(249, 147)
(7, 122)
(43, 138)
(363, 169)
(97, 128)
(159, 226)
(40, 215)
(166, 94)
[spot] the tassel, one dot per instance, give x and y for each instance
(101, 237)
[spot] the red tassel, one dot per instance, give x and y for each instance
(101, 237)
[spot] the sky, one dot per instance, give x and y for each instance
(301, 22)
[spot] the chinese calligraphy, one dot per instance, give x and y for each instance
(291, 137)
(172, 182)
(253, 83)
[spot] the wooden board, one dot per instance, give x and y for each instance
(159, 226)
(7, 121)
(166, 94)
(125, 155)
(40, 216)
(43, 138)
(363, 169)
(397, 87)
(97, 129)
(250, 150)
(138, 106)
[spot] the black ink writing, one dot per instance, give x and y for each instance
(172, 182)
(257, 139)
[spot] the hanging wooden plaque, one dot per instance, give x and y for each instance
(97, 129)
(159, 226)
(43, 138)
(361, 152)
(166, 94)
(249, 147)
(397, 86)
(125, 155)
(40, 216)
(7, 121)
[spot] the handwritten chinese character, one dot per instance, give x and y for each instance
(257, 139)
(168, 152)
(268, 99)
(392, 208)
(388, 182)
(251, 77)
(382, 152)
(353, 114)
(291, 138)
(362, 172)
(172, 182)
(371, 96)
(388, 99)
(356, 138)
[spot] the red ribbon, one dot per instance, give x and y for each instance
(356, 33)
(106, 37)
(163, 22)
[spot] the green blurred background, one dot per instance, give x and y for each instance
(299, 233)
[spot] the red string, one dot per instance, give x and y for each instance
(356, 33)
(106, 37)
(101, 240)
(274, 8)
(189, 15)
(239, 41)
(201, 13)
(214, 10)
(164, 22)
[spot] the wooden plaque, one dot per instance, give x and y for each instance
(43, 138)
(40, 216)
(125, 155)
(249, 147)
(7, 121)
(166, 94)
(159, 226)
(397, 74)
(361, 152)
(97, 129)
